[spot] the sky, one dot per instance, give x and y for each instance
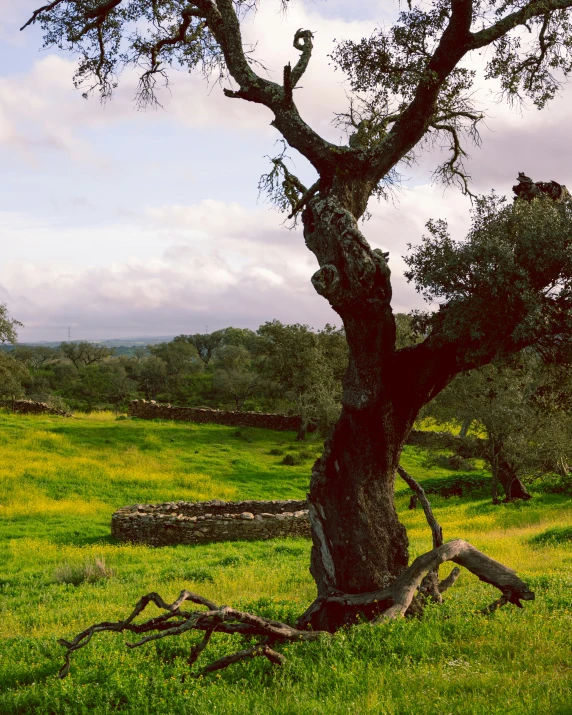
(116, 222)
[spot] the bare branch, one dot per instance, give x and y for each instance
(436, 529)
(401, 592)
(302, 42)
(39, 11)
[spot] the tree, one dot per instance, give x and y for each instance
(12, 373)
(8, 326)
(34, 356)
(504, 288)
(524, 409)
(152, 376)
(84, 353)
(204, 343)
(181, 365)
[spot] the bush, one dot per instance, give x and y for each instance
(457, 486)
(275, 452)
(454, 461)
(554, 484)
(290, 460)
(91, 571)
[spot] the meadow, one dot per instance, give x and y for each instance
(60, 481)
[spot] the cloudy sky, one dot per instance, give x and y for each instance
(121, 223)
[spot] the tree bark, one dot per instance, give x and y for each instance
(465, 427)
(504, 472)
(359, 544)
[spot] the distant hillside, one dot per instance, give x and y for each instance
(111, 343)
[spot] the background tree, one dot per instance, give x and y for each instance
(235, 377)
(523, 412)
(12, 372)
(507, 286)
(204, 343)
(84, 353)
(152, 377)
(35, 356)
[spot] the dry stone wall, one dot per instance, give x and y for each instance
(150, 410)
(202, 522)
(30, 407)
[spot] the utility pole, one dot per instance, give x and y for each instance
(69, 334)
(207, 329)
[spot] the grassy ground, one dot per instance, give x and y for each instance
(60, 480)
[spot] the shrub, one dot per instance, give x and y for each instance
(290, 460)
(457, 486)
(276, 452)
(91, 571)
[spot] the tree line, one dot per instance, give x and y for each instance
(520, 408)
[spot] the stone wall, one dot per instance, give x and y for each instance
(202, 522)
(150, 410)
(30, 407)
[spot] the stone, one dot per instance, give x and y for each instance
(176, 523)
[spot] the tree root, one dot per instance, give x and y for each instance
(388, 603)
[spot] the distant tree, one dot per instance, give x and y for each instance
(84, 353)
(235, 377)
(8, 326)
(152, 377)
(12, 372)
(34, 356)
(204, 343)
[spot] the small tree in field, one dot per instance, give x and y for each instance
(12, 372)
(523, 410)
(507, 286)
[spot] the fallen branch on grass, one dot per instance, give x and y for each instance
(388, 603)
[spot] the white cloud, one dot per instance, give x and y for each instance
(210, 263)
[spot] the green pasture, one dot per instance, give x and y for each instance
(60, 481)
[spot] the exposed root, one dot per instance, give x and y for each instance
(385, 604)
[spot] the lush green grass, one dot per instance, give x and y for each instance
(62, 478)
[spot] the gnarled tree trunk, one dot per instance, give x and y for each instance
(358, 542)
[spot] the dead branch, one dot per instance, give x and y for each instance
(430, 586)
(221, 619)
(415, 487)
(391, 602)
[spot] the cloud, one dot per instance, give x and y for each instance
(209, 263)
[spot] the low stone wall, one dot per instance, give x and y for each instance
(30, 407)
(202, 522)
(150, 410)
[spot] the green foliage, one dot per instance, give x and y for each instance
(511, 278)
(8, 326)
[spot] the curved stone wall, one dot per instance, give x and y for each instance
(202, 522)
(150, 410)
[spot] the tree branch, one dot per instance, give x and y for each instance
(39, 11)
(519, 17)
(436, 530)
(302, 42)
(412, 124)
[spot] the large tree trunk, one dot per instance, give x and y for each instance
(358, 542)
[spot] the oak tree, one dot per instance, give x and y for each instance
(507, 286)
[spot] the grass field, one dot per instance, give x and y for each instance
(60, 480)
